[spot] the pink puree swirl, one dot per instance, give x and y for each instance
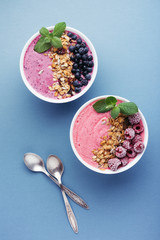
(88, 130)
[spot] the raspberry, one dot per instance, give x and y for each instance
(127, 144)
(124, 161)
(136, 139)
(135, 118)
(131, 153)
(138, 128)
(129, 133)
(139, 147)
(114, 163)
(120, 152)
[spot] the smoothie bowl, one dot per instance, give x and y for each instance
(109, 134)
(61, 67)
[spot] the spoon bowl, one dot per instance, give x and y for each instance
(55, 167)
(34, 162)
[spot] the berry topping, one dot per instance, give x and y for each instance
(129, 133)
(90, 64)
(77, 89)
(131, 153)
(89, 69)
(71, 48)
(74, 37)
(84, 82)
(139, 147)
(84, 56)
(81, 51)
(124, 161)
(77, 55)
(86, 49)
(90, 58)
(76, 83)
(135, 118)
(69, 34)
(79, 40)
(136, 139)
(138, 128)
(77, 75)
(127, 144)
(120, 152)
(83, 44)
(114, 163)
(88, 76)
(77, 46)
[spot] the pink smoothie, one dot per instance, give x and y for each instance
(37, 69)
(88, 129)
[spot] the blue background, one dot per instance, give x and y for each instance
(126, 35)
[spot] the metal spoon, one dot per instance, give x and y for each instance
(55, 168)
(35, 163)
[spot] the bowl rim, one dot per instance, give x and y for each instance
(52, 100)
(107, 171)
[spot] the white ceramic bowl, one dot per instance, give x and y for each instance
(47, 99)
(108, 171)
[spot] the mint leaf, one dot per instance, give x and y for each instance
(59, 29)
(41, 45)
(101, 106)
(111, 101)
(115, 112)
(47, 40)
(44, 32)
(128, 108)
(56, 42)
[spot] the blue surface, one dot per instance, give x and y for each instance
(126, 36)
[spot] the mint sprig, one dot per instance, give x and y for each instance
(105, 105)
(49, 39)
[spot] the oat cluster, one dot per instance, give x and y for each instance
(114, 138)
(62, 69)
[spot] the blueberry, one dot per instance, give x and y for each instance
(77, 55)
(86, 49)
(72, 58)
(77, 46)
(71, 48)
(73, 71)
(85, 73)
(90, 58)
(84, 82)
(89, 69)
(75, 65)
(81, 50)
(74, 37)
(84, 57)
(84, 67)
(76, 60)
(90, 64)
(77, 89)
(85, 62)
(77, 75)
(76, 51)
(80, 63)
(80, 79)
(78, 70)
(76, 83)
(88, 76)
(69, 34)
(79, 40)
(83, 44)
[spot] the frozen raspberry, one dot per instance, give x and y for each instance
(131, 153)
(127, 144)
(124, 161)
(136, 139)
(120, 152)
(135, 118)
(138, 128)
(114, 163)
(139, 147)
(129, 133)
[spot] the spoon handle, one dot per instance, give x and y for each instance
(70, 214)
(75, 197)
(71, 194)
